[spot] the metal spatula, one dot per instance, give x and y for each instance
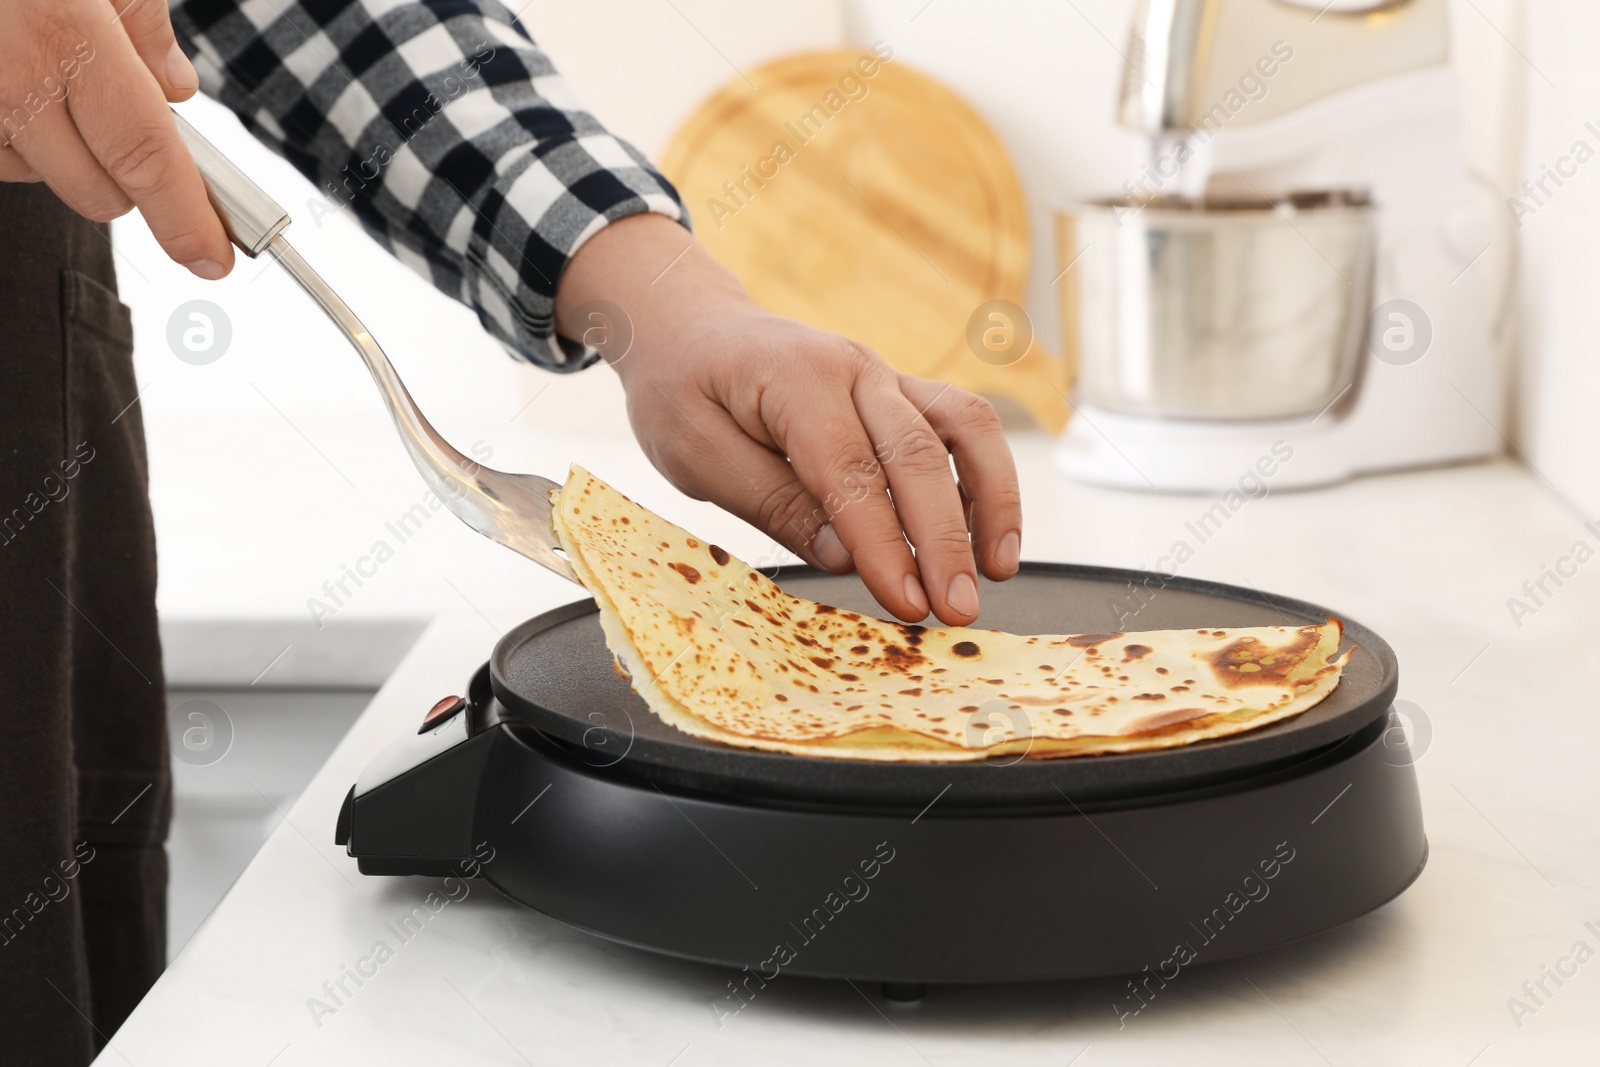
(513, 509)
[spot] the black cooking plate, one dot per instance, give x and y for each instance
(555, 673)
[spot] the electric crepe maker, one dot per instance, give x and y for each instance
(552, 781)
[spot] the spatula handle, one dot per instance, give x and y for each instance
(251, 217)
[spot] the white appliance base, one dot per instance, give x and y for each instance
(1172, 455)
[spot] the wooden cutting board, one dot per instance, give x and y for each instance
(861, 196)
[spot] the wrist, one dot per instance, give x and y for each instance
(644, 264)
(649, 272)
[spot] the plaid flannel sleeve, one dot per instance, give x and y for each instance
(445, 129)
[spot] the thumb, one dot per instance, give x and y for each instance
(149, 28)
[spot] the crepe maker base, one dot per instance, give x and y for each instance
(935, 874)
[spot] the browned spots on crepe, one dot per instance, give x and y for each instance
(793, 676)
(1248, 661)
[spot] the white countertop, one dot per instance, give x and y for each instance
(1509, 790)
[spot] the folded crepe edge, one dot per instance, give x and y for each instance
(889, 744)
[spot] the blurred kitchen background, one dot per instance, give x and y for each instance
(276, 476)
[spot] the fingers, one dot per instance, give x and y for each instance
(123, 119)
(926, 499)
(970, 428)
(52, 147)
(754, 483)
(831, 452)
(149, 28)
(868, 479)
(13, 168)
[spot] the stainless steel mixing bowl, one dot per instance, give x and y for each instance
(1217, 310)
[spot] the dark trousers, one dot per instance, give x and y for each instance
(85, 791)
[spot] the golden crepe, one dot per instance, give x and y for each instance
(719, 651)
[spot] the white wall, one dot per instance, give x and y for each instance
(1559, 241)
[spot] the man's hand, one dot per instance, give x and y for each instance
(84, 86)
(804, 434)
